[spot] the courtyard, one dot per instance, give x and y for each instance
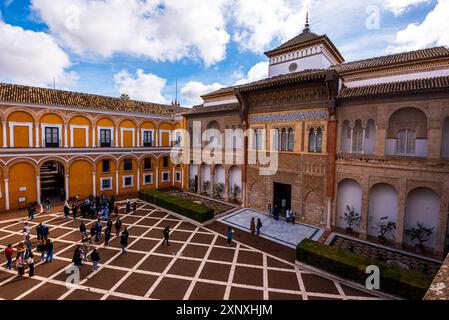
(196, 266)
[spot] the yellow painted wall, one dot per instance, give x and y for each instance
(110, 174)
(105, 122)
(80, 179)
(22, 175)
(20, 139)
(165, 135)
(148, 125)
(123, 173)
(127, 139)
(80, 134)
(2, 189)
(79, 138)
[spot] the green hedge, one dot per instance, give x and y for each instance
(404, 283)
(184, 207)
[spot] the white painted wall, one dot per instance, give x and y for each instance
(205, 172)
(318, 61)
(219, 174)
(423, 205)
(383, 202)
(349, 193)
(193, 171)
(235, 177)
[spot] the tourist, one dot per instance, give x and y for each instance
(62, 195)
(83, 229)
(134, 206)
(116, 210)
(252, 226)
(104, 197)
(41, 248)
(98, 231)
(283, 204)
(30, 263)
(93, 231)
(124, 241)
(26, 230)
(112, 205)
(127, 206)
(74, 209)
(118, 227)
(229, 235)
(85, 247)
(9, 251)
(45, 232)
(292, 217)
(77, 257)
(47, 206)
(287, 215)
(109, 226)
(95, 257)
(30, 211)
(258, 226)
(66, 210)
(39, 232)
(276, 213)
(19, 259)
(49, 250)
(269, 210)
(166, 234)
(107, 237)
(28, 246)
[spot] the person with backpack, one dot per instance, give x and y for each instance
(166, 234)
(95, 257)
(28, 246)
(9, 251)
(258, 226)
(49, 250)
(229, 236)
(118, 227)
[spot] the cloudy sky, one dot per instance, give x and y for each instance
(142, 47)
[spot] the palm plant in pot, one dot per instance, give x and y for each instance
(384, 226)
(235, 192)
(206, 187)
(419, 234)
(352, 219)
(218, 190)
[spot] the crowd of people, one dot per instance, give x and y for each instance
(275, 212)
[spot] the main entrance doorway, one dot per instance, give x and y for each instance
(52, 180)
(282, 193)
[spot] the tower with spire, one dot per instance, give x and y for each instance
(306, 51)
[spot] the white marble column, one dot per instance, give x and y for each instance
(6, 194)
(138, 180)
(36, 126)
(67, 191)
(38, 189)
(94, 183)
(138, 138)
(93, 136)
(351, 148)
(116, 182)
(66, 138)
(116, 138)
(5, 144)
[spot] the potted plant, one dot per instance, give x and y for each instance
(219, 189)
(384, 226)
(206, 186)
(352, 219)
(420, 234)
(235, 192)
(192, 185)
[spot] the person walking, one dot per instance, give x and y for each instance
(258, 226)
(9, 251)
(77, 257)
(118, 227)
(252, 226)
(30, 211)
(30, 263)
(124, 241)
(74, 209)
(134, 206)
(66, 210)
(109, 225)
(229, 236)
(127, 206)
(95, 257)
(39, 232)
(26, 230)
(49, 251)
(166, 234)
(28, 246)
(19, 259)
(83, 229)
(85, 247)
(41, 248)
(269, 210)
(93, 231)
(45, 232)
(47, 206)
(98, 231)
(107, 237)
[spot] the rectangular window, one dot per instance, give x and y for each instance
(106, 166)
(51, 137)
(147, 164)
(165, 176)
(106, 184)
(128, 182)
(148, 178)
(128, 164)
(105, 138)
(148, 138)
(178, 177)
(178, 138)
(165, 162)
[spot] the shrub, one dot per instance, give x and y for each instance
(404, 283)
(179, 205)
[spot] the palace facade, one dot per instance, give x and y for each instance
(372, 135)
(58, 143)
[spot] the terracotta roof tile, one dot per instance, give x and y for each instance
(202, 109)
(395, 88)
(50, 97)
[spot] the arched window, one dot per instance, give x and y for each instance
(357, 138)
(259, 141)
(254, 139)
(406, 142)
(275, 140)
(283, 140)
(291, 139)
(315, 140)
(312, 140)
(319, 140)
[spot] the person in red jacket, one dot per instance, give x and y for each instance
(9, 251)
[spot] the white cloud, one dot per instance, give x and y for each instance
(257, 72)
(399, 7)
(32, 58)
(432, 31)
(193, 91)
(143, 87)
(156, 29)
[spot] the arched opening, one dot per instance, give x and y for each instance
(346, 137)
(52, 175)
(349, 195)
(383, 202)
(407, 133)
(370, 136)
(206, 182)
(423, 206)
(219, 183)
(235, 182)
(193, 178)
(357, 137)
(445, 140)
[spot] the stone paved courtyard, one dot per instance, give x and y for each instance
(197, 265)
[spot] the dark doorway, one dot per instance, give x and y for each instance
(196, 183)
(52, 180)
(282, 192)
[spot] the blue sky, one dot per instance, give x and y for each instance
(142, 47)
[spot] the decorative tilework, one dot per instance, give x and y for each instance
(298, 116)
